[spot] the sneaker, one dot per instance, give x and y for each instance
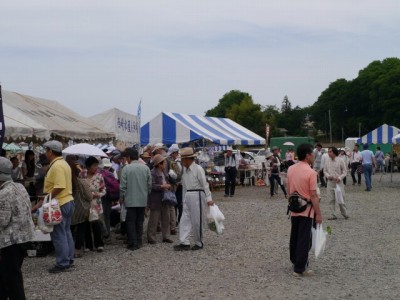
(58, 269)
(167, 241)
(307, 273)
(100, 249)
(181, 247)
(87, 250)
(332, 218)
(196, 247)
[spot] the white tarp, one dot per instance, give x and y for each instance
(50, 115)
(18, 125)
(122, 124)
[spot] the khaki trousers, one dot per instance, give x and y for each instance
(330, 189)
(155, 216)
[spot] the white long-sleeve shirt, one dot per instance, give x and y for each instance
(194, 178)
(324, 159)
(336, 168)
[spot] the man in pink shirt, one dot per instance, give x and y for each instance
(301, 178)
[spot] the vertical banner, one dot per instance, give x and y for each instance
(139, 113)
(2, 126)
(266, 135)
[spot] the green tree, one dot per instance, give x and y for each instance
(249, 115)
(286, 105)
(226, 102)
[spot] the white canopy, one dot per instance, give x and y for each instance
(396, 139)
(29, 116)
(18, 125)
(122, 124)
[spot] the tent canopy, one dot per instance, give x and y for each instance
(45, 117)
(122, 124)
(396, 139)
(171, 128)
(381, 135)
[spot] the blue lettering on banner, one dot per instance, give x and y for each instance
(126, 125)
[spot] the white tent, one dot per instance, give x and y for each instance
(46, 117)
(396, 139)
(18, 125)
(122, 124)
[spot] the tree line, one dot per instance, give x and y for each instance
(366, 102)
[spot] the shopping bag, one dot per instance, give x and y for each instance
(169, 198)
(51, 211)
(41, 224)
(215, 219)
(123, 212)
(318, 241)
(339, 195)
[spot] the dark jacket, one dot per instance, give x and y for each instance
(155, 197)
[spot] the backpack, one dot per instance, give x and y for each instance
(112, 185)
(297, 204)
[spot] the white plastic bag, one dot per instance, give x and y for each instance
(215, 219)
(123, 212)
(318, 241)
(172, 174)
(42, 225)
(339, 195)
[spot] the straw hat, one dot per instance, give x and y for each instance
(157, 159)
(268, 155)
(187, 153)
(146, 155)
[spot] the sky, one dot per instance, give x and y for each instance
(183, 56)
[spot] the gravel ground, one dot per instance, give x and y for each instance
(249, 260)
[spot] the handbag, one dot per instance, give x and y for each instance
(360, 169)
(169, 198)
(51, 211)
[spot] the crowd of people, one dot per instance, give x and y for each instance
(96, 193)
(91, 191)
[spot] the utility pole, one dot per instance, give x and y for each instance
(330, 127)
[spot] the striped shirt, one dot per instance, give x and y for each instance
(336, 168)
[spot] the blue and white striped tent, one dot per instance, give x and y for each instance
(396, 139)
(381, 135)
(171, 128)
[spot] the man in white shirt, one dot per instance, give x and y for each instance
(324, 159)
(197, 195)
(355, 161)
(231, 167)
(335, 170)
(317, 163)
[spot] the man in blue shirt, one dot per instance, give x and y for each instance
(368, 161)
